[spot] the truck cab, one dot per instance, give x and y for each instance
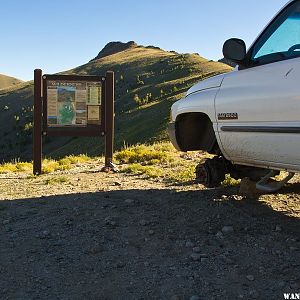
(249, 118)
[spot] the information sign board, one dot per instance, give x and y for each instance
(73, 105)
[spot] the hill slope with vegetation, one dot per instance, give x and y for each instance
(148, 81)
(7, 81)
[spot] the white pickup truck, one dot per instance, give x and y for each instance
(249, 118)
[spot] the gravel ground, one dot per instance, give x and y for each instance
(114, 236)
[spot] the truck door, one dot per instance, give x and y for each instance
(258, 107)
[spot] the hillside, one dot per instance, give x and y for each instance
(148, 81)
(7, 81)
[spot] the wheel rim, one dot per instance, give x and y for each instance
(202, 174)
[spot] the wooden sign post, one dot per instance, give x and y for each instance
(37, 123)
(109, 124)
(73, 105)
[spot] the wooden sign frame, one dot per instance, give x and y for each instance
(105, 126)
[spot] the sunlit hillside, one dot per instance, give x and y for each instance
(7, 81)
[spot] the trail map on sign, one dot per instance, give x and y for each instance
(73, 103)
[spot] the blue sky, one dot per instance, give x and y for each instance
(59, 35)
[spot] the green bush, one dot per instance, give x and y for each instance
(141, 154)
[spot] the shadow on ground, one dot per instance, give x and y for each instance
(138, 244)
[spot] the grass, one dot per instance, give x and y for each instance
(66, 163)
(56, 180)
(138, 169)
(142, 154)
(185, 172)
(15, 167)
(229, 181)
(48, 165)
(159, 160)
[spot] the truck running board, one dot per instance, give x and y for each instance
(273, 186)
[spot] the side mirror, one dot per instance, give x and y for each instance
(235, 50)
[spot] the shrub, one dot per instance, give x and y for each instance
(28, 126)
(73, 160)
(23, 166)
(147, 98)
(7, 168)
(136, 99)
(229, 181)
(58, 179)
(49, 166)
(139, 81)
(150, 171)
(141, 154)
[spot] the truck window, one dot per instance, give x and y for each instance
(281, 40)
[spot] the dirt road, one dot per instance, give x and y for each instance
(112, 236)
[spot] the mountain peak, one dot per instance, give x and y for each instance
(115, 47)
